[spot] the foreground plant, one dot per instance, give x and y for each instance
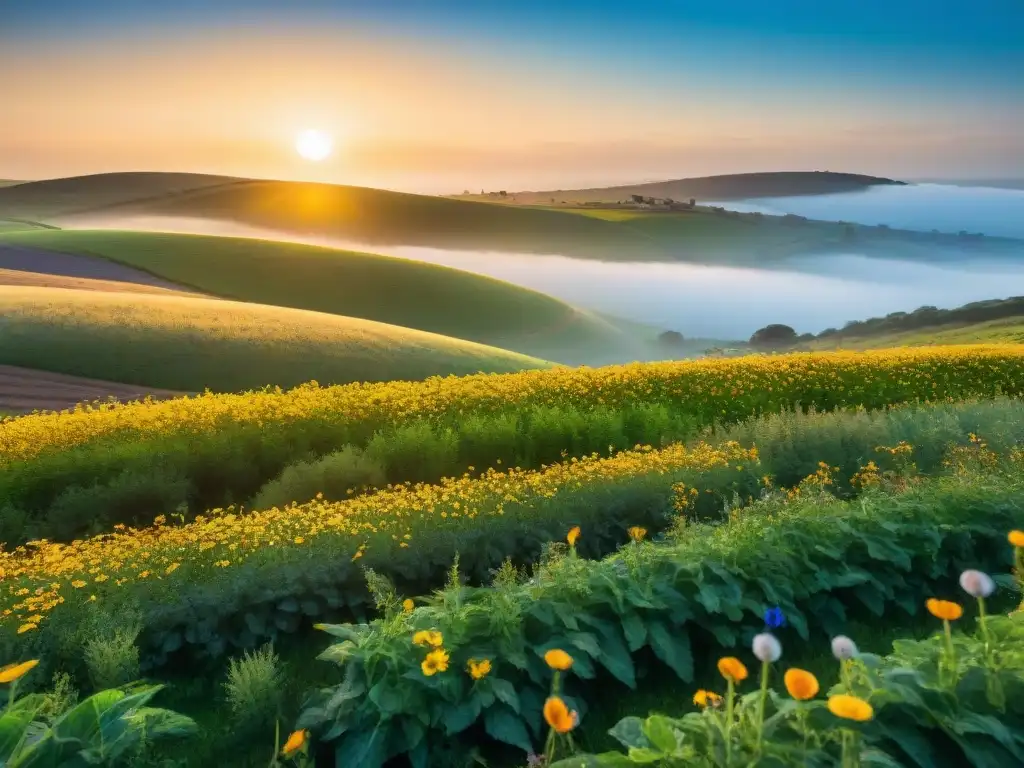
(106, 727)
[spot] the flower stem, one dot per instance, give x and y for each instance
(950, 651)
(760, 706)
(729, 704)
(994, 687)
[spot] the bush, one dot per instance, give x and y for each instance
(113, 657)
(336, 476)
(678, 605)
(773, 336)
(254, 688)
(227, 447)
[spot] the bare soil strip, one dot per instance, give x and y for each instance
(23, 390)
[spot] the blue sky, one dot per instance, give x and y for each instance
(761, 72)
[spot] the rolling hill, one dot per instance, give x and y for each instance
(389, 290)
(190, 343)
(737, 186)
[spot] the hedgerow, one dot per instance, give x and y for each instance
(137, 461)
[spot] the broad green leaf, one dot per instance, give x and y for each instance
(644, 756)
(629, 732)
(661, 734)
(506, 692)
(365, 748)
(388, 697)
(634, 630)
(459, 717)
(503, 724)
(673, 648)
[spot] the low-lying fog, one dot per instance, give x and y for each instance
(699, 301)
(945, 207)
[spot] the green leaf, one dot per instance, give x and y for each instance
(629, 732)
(365, 748)
(503, 724)
(506, 692)
(15, 721)
(672, 648)
(644, 756)
(634, 630)
(461, 716)
(661, 734)
(387, 697)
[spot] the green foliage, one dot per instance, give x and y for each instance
(653, 606)
(112, 656)
(61, 697)
(108, 728)
(254, 688)
(336, 476)
(919, 719)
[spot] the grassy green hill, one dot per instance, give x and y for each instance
(736, 186)
(187, 343)
(1009, 330)
(389, 290)
(375, 217)
(55, 197)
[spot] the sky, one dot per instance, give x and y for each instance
(444, 95)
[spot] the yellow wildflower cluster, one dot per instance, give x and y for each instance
(38, 575)
(711, 387)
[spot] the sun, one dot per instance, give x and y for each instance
(313, 145)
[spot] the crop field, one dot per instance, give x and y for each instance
(389, 290)
(190, 344)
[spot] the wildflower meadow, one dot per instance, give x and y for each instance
(774, 561)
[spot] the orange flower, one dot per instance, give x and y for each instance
(558, 659)
(704, 698)
(1016, 538)
(479, 669)
(732, 668)
(573, 535)
(636, 533)
(801, 684)
(12, 672)
(436, 661)
(944, 609)
(429, 637)
(408, 605)
(850, 708)
(558, 716)
(295, 742)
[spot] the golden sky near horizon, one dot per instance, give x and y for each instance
(405, 116)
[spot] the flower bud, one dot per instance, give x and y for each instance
(766, 647)
(977, 584)
(844, 648)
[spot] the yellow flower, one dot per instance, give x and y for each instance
(636, 533)
(27, 627)
(573, 535)
(850, 708)
(558, 716)
(408, 605)
(436, 661)
(732, 668)
(944, 609)
(77, 583)
(479, 669)
(429, 637)
(801, 684)
(558, 659)
(704, 698)
(1017, 538)
(12, 672)
(295, 742)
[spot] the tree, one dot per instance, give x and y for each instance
(772, 336)
(671, 339)
(637, 198)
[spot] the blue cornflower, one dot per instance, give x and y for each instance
(774, 618)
